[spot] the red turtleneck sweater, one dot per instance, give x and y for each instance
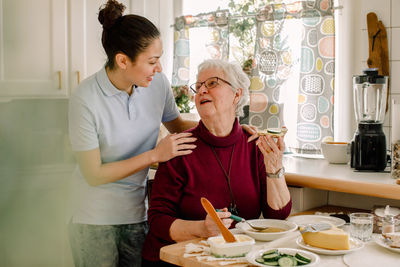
(181, 182)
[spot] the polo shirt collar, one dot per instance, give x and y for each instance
(105, 84)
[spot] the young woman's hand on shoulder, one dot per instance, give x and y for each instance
(174, 145)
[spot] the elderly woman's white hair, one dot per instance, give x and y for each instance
(234, 75)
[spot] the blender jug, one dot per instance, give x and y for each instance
(368, 149)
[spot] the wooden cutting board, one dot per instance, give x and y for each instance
(378, 48)
(174, 254)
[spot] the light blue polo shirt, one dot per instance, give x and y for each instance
(121, 126)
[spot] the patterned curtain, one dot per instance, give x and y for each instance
(293, 81)
(180, 72)
(216, 45)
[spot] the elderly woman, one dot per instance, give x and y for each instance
(237, 176)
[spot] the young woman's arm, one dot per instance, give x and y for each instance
(179, 125)
(97, 173)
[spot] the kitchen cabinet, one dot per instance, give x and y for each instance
(33, 48)
(48, 47)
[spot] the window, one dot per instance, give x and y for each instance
(293, 71)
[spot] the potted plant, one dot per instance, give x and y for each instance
(183, 98)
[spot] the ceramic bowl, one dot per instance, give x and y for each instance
(336, 152)
(221, 249)
(265, 236)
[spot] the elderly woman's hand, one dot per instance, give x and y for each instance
(211, 228)
(251, 130)
(272, 151)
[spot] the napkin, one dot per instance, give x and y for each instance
(202, 253)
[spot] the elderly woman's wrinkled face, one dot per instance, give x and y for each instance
(218, 100)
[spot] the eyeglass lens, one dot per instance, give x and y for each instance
(209, 83)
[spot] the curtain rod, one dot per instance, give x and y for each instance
(254, 15)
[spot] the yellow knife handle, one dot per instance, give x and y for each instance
(208, 207)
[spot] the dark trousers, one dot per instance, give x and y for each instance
(107, 245)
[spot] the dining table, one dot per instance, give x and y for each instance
(372, 254)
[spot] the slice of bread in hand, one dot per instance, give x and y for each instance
(276, 132)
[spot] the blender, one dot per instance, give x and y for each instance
(368, 148)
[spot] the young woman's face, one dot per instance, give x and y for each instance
(146, 64)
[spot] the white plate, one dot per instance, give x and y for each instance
(253, 255)
(288, 226)
(381, 241)
(302, 220)
(355, 245)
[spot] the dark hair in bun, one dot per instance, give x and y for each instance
(111, 12)
(128, 34)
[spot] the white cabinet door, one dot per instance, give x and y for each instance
(33, 48)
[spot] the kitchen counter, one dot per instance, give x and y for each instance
(319, 174)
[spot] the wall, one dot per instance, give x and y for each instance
(388, 12)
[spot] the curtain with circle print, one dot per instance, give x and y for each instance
(216, 43)
(292, 83)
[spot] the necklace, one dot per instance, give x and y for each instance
(232, 206)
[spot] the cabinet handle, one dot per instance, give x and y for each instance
(78, 76)
(59, 80)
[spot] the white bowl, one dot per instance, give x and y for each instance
(221, 249)
(253, 255)
(288, 226)
(336, 152)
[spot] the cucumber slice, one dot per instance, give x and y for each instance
(302, 258)
(300, 262)
(286, 261)
(271, 257)
(274, 130)
(270, 251)
(271, 263)
(260, 260)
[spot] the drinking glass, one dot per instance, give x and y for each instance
(361, 225)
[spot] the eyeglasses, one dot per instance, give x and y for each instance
(209, 84)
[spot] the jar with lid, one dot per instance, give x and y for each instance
(388, 224)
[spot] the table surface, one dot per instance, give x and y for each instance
(174, 253)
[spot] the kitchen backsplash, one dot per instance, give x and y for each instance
(387, 11)
(34, 132)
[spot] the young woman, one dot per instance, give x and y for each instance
(114, 121)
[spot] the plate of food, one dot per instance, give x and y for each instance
(389, 241)
(303, 220)
(282, 257)
(274, 229)
(355, 245)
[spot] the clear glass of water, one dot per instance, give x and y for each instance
(361, 225)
